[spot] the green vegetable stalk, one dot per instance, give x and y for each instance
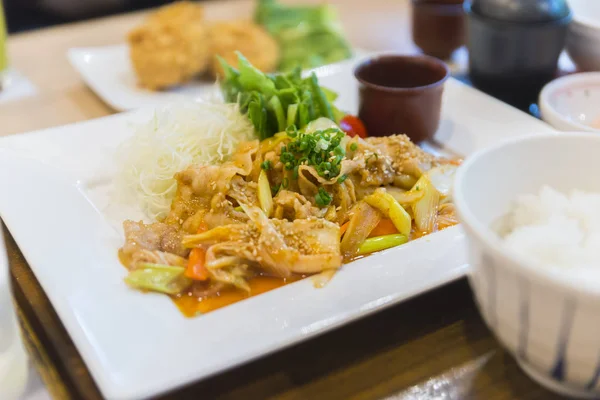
(274, 102)
(379, 243)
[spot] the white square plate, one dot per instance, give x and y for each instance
(54, 185)
(107, 70)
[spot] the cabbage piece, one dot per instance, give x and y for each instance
(442, 178)
(231, 272)
(308, 35)
(159, 278)
(425, 210)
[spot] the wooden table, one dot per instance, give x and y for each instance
(434, 346)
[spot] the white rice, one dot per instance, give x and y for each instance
(556, 229)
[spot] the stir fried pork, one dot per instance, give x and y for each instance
(218, 208)
(282, 247)
(291, 206)
(152, 237)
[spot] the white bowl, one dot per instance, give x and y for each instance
(572, 103)
(583, 37)
(547, 318)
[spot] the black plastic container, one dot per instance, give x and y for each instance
(514, 45)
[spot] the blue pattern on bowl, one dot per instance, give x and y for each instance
(524, 291)
(558, 371)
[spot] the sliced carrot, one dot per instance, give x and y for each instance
(343, 228)
(196, 268)
(385, 227)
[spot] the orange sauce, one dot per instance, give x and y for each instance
(416, 234)
(191, 306)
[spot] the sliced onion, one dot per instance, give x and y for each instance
(364, 219)
(425, 210)
(442, 178)
(265, 198)
(323, 278)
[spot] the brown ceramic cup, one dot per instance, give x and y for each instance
(401, 94)
(438, 26)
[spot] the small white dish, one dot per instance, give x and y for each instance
(132, 341)
(548, 318)
(107, 70)
(572, 103)
(583, 38)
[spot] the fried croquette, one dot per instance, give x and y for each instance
(175, 44)
(170, 47)
(246, 37)
(180, 12)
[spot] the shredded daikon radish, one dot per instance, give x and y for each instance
(178, 135)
